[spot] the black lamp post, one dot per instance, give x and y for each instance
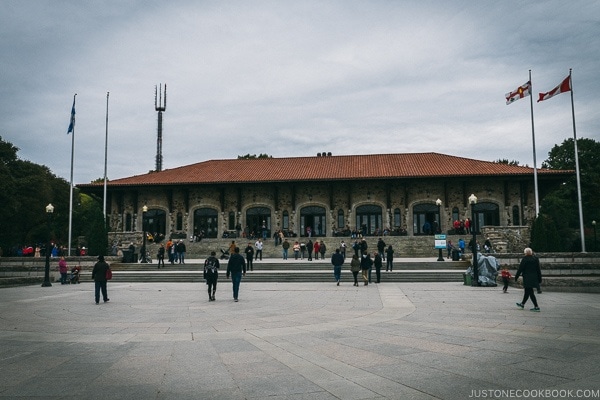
(438, 202)
(473, 201)
(594, 225)
(46, 283)
(143, 250)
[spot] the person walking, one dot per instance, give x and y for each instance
(309, 249)
(99, 278)
(389, 263)
(285, 246)
(236, 267)
(337, 260)
(378, 264)
(181, 252)
(317, 249)
(365, 265)
(505, 278)
(211, 274)
(161, 255)
(355, 268)
(249, 251)
(532, 277)
(259, 248)
(63, 269)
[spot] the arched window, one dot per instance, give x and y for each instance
(286, 220)
(340, 219)
(231, 221)
(313, 217)
(179, 222)
(128, 220)
(455, 214)
(516, 216)
(397, 219)
(485, 214)
(426, 219)
(206, 222)
(369, 219)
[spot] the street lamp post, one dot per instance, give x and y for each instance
(594, 225)
(438, 202)
(143, 250)
(46, 283)
(473, 201)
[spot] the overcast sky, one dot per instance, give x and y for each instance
(292, 78)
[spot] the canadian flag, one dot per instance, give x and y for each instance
(565, 86)
(519, 93)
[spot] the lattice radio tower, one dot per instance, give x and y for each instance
(160, 105)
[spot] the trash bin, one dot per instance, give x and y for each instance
(455, 255)
(467, 279)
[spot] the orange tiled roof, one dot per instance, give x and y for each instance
(374, 166)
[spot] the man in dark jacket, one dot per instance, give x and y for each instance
(532, 277)
(337, 259)
(99, 278)
(236, 267)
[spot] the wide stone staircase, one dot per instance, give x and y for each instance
(278, 270)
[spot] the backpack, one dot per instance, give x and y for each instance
(210, 266)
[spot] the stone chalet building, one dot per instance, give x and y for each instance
(395, 193)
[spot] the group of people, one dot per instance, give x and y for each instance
(237, 265)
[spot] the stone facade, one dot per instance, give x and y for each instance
(338, 200)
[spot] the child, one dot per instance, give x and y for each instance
(505, 277)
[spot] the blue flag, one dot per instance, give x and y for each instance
(72, 123)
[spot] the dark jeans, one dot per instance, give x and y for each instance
(505, 280)
(235, 280)
(337, 272)
(389, 264)
(355, 275)
(378, 274)
(212, 284)
(100, 286)
(249, 263)
(529, 294)
(258, 254)
(161, 260)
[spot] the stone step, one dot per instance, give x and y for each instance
(284, 276)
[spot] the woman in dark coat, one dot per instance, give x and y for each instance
(532, 277)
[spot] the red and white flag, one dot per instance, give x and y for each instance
(519, 93)
(565, 86)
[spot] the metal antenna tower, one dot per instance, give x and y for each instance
(160, 105)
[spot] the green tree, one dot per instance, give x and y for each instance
(25, 190)
(253, 156)
(544, 235)
(561, 206)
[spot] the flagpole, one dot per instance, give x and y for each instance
(105, 158)
(535, 177)
(71, 184)
(577, 168)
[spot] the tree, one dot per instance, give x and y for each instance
(253, 156)
(561, 206)
(25, 190)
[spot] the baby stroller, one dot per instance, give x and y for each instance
(74, 277)
(224, 254)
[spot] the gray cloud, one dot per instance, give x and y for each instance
(291, 79)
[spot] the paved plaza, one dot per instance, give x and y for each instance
(296, 341)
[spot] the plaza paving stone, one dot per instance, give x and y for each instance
(294, 341)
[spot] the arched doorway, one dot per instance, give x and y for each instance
(155, 224)
(258, 220)
(426, 219)
(369, 219)
(313, 217)
(206, 222)
(485, 214)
